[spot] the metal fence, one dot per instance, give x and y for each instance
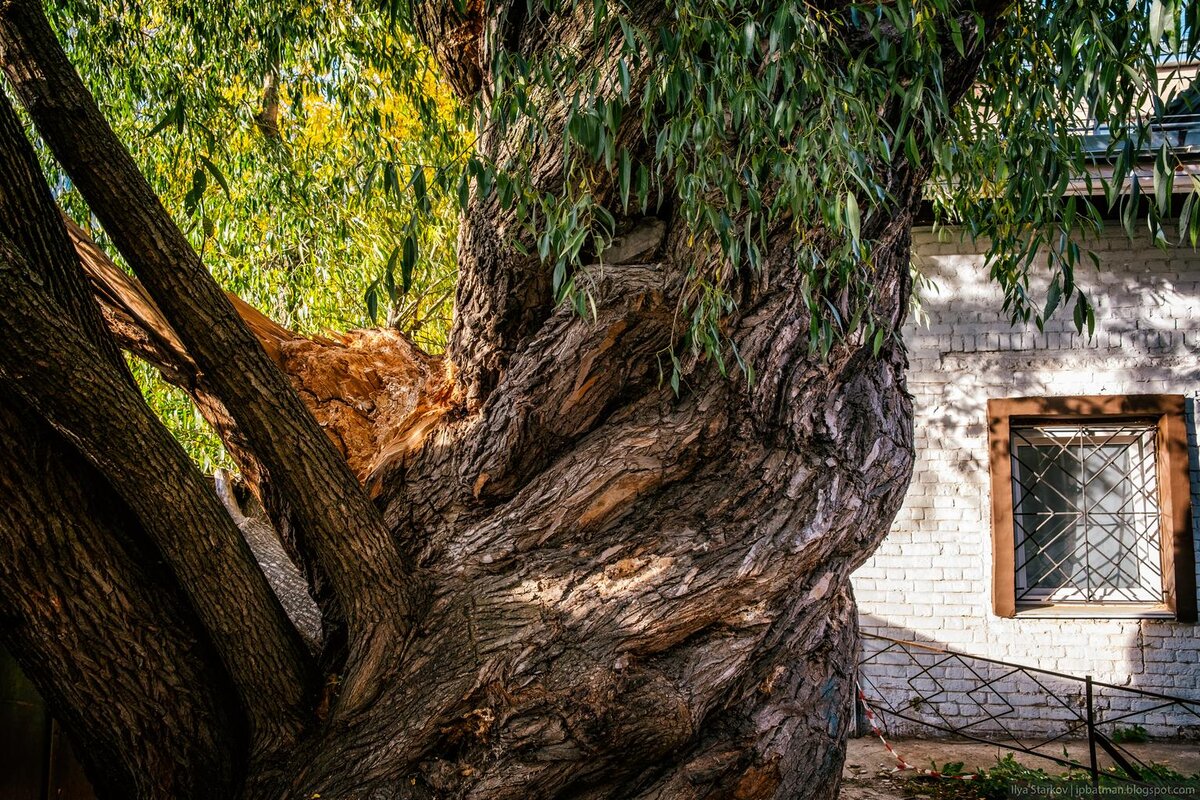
(980, 699)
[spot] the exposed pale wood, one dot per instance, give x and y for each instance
(366, 388)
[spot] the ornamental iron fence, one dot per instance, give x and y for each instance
(981, 699)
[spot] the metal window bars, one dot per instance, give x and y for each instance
(981, 699)
(1086, 517)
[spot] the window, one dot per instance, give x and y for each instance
(1091, 507)
(1086, 513)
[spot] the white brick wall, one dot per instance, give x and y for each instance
(930, 581)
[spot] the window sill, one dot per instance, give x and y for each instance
(1080, 611)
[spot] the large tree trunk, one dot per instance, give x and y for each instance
(588, 586)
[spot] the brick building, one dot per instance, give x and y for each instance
(1052, 533)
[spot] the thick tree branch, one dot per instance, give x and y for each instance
(48, 361)
(103, 632)
(321, 502)
(454, 32)
(79, 383)
(28, 218)
(568, 377)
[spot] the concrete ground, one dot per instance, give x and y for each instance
(868, 773)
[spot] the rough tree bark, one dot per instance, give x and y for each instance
(542, 574)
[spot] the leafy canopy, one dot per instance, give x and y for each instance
(761, 115)
(319, 164)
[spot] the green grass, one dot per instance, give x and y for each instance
(997, 782)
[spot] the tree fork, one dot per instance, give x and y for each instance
(104, 415)
(322, 504)
(81, 386)
(337, 377)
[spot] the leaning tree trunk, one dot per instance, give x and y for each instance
(588, 586)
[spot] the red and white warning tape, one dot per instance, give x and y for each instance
(901, 764)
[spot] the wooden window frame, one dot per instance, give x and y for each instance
(1167, 411)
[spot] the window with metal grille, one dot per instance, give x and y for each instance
(1087, 523)
(1091, 509)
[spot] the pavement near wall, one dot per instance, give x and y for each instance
(869, 773)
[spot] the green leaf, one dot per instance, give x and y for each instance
(371, 297)
(408, 262)
(1164, 179)
(464, 191)
(216, 173)
(643, 187)
(199, 183)
(853, 219)
(957, 37)
(420, 189)
(389, 279)
(1053, 298)
(625, 178)
(749, 37)
(1130, 207)
(175, 116)
(1158, 21)
(391, 185)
